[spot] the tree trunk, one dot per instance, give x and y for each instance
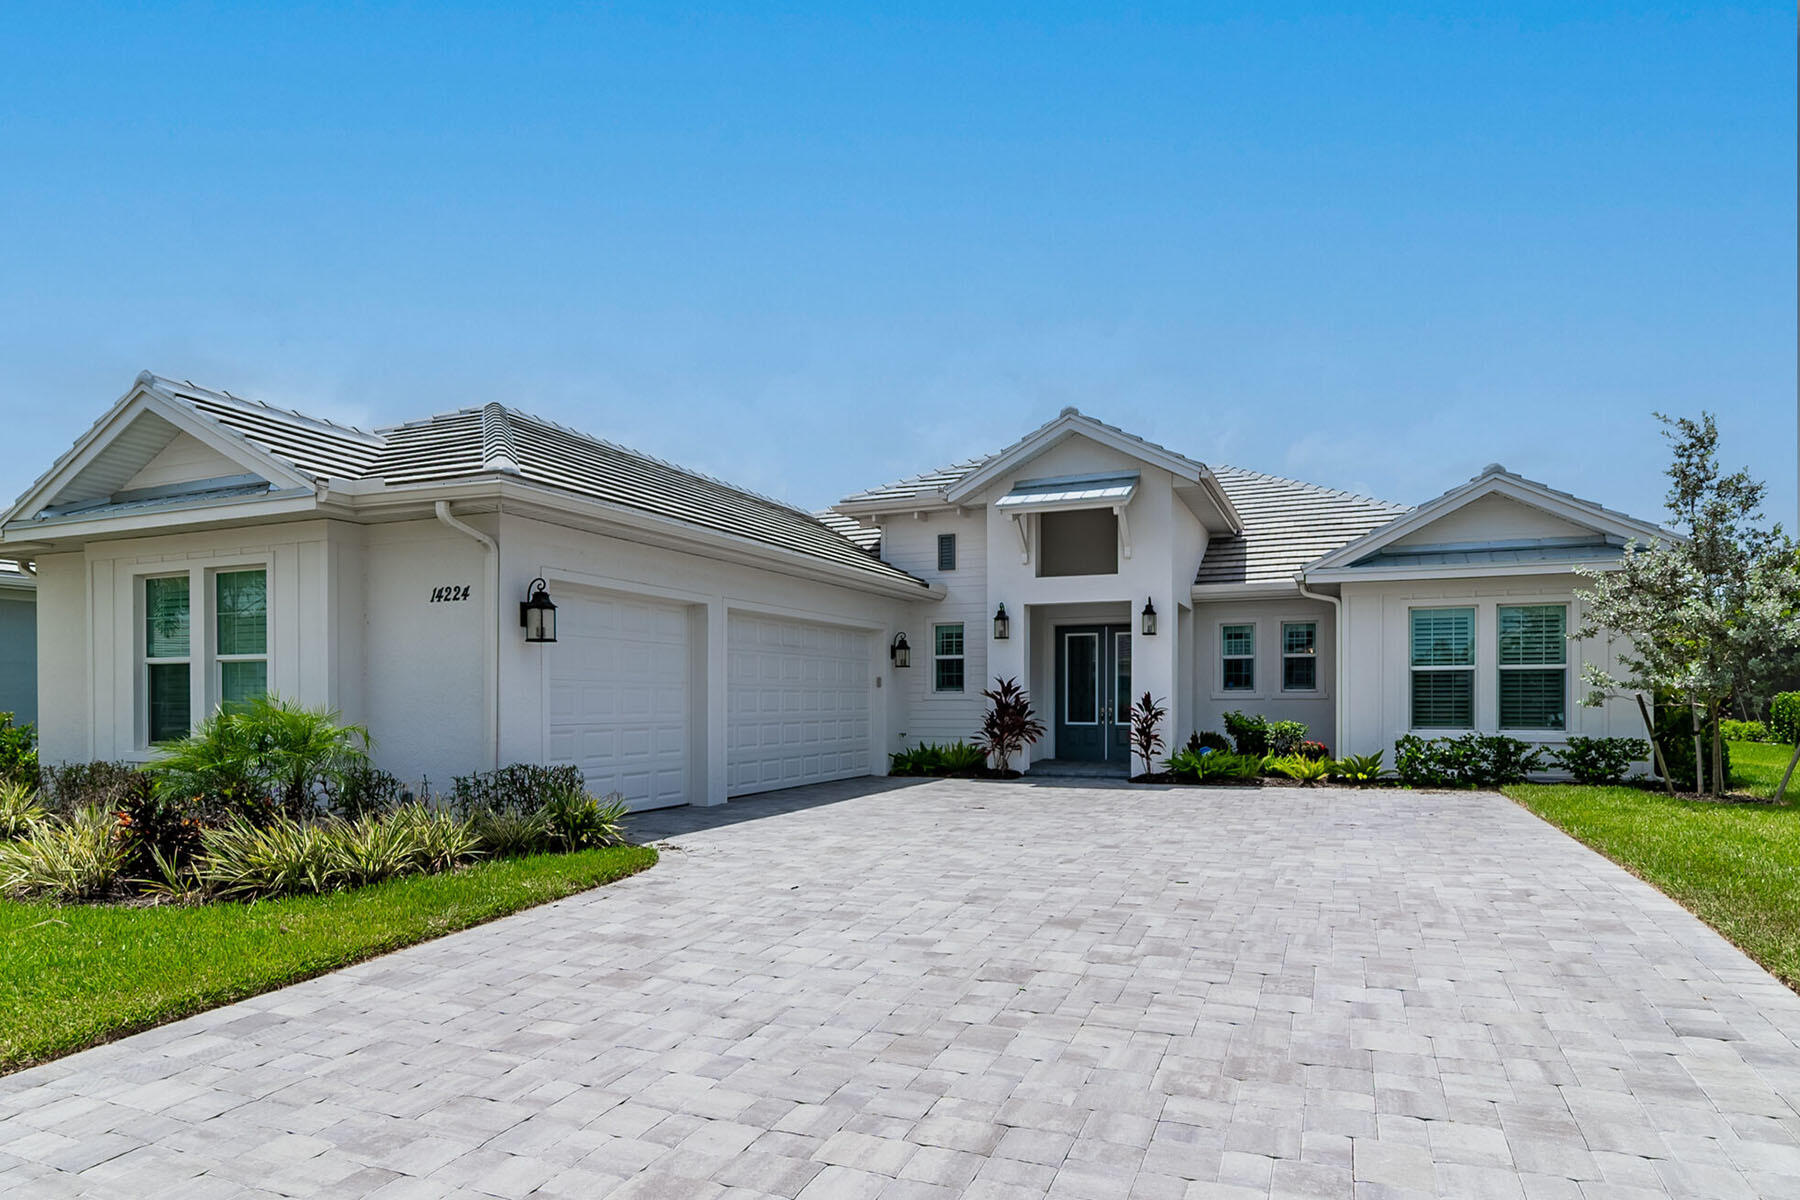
(1699, 758)
(1781, 791)
(1718, 754)
(1656, 754)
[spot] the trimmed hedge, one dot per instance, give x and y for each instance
(1784, 718)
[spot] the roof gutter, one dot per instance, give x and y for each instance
(491, 652)
(1337, 656)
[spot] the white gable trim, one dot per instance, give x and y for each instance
(1495, 481)
(146, 398)
(1068, 425)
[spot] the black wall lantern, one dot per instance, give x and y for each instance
(537, 614)
(900, 652)
(1002, 625)
(1149, 615)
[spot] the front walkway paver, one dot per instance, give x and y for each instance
(991, 991)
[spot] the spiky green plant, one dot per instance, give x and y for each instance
(20, 810)
(578, 821)
(1357, 768)
(509, 833)
(77, 858)
(242, 860)
(1299, 768)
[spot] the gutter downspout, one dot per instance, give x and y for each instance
(491, 653)
(1337, 656)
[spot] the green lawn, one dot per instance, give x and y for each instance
(1734, 865)
(74, 975)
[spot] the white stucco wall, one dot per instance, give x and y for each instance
(1377, 671)
(1211, 701)
(910, 543)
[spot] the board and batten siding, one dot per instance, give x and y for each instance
(911, 544)
(1377, 659)
(1316, 709)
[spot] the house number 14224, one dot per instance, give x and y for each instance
(454, 592)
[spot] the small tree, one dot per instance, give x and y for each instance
(1712, 616)
(1009, 725)
(1146, 728)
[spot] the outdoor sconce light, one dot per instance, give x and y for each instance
(537, 614)
(900, 652)
(1002, 625)
(1149, 615)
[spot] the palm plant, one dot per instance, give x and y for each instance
(267, 752)
(1009, 725)
(1146, 728)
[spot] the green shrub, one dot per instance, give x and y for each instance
(1675, 737)
(20, 810)
(519, 787)
(1213, 766)
(284, 856)
(1357, 768)
(264, 756)
(1745, 731)
(70, 787)
(1600, 760)
(1313, 750)
(18, 752)
(510, 832)
(1299, 767)
(1283, 737)
(362, 790)
(154, 828)
(1207, 740)
(1472, 760)
(578, 821)
(72, 858)
(1249, 735)
(1784, 717)
(933, 758)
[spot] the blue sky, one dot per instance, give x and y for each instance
(810, 249)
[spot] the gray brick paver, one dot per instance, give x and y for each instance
(967, 989)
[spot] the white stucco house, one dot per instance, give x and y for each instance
(193, 547)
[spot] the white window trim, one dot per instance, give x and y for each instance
(1526, 733)
(1255, 690)
(934, 689)
(203, 659)
(1282, 656)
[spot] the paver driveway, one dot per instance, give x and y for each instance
(991, 991)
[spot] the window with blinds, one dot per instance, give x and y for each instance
(242, 602)
(1533, 666)
(168, 663)
(1443, 668)
(1237, 657)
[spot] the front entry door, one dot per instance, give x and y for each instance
(1093, 692)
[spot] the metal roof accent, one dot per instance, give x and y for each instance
(1588, 552)
(1287, 524)
(1027, 494)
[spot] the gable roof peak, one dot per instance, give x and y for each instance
(1070, 411)
(1493, 468)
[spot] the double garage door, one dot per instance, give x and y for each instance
(623, 699)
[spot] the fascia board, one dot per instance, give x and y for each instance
(1467, 571)
(1211, 593)
(223, 511)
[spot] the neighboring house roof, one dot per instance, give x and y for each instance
(15, 579)
(1605, 532)
(929, 486)
(1287, 524)
(487, 441)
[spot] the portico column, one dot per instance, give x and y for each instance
(1011, 659)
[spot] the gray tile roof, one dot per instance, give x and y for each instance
(495, 439)
(928, 486)
(1287, 524)
(866, 536)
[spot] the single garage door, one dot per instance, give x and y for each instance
(620, 696)
(798, 706)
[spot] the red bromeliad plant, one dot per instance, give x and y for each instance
(1146, 729)
(1009, 725)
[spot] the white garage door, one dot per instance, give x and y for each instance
(620, 697)
(798, 709)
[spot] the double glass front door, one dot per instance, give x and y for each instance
(1093, 692)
